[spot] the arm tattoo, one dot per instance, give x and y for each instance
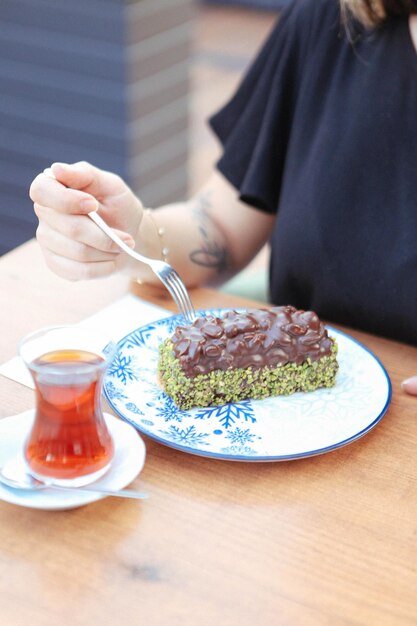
(211, 253)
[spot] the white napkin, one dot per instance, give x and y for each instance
(118, 319)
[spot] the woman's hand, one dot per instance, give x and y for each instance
(207, 238)
(73, 246)
(410, 385)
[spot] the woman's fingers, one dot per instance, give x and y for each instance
(76, 270)
(60, 245)
(74, 260)
(74, 188)
(86, 177)
(410, 385)
(70, 235)
(49, 192)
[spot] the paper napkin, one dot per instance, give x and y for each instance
(118, 319)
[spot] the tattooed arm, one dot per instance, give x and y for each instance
(213, 235)
(206, 239)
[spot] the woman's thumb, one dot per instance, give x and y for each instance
(76, 176)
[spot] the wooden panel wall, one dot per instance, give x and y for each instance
(101, 80)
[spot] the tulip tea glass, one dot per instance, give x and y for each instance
(69, 442)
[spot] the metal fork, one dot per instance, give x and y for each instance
(166, 274)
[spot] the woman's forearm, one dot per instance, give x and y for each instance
(185, 235)
(207, 239)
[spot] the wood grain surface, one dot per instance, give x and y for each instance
(325, 540)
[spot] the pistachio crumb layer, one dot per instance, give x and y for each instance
(236, 384)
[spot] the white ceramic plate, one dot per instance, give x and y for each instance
(128, 461)
(275, 429)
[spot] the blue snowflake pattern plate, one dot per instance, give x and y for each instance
(275, 429)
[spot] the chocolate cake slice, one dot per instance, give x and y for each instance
(252, 354)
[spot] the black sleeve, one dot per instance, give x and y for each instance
(254, 127)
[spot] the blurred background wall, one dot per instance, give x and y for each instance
(125, 84)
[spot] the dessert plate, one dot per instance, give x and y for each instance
(128, 461)
(275, 429)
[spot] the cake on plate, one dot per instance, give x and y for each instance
(254, 353)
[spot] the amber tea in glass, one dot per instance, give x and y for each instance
(69, 441)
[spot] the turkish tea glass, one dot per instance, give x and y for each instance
(69, 441)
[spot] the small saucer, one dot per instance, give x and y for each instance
(127, 462)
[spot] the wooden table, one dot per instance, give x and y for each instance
(325, 540)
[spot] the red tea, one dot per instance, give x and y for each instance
(69, 438)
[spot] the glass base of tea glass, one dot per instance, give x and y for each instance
(79, 481)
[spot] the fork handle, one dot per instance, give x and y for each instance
(109, 232)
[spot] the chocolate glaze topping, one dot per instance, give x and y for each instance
(253, 338)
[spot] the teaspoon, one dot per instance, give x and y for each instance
(18, 478)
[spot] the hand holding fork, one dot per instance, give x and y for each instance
(166, 274)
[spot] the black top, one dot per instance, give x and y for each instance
(323, 132)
